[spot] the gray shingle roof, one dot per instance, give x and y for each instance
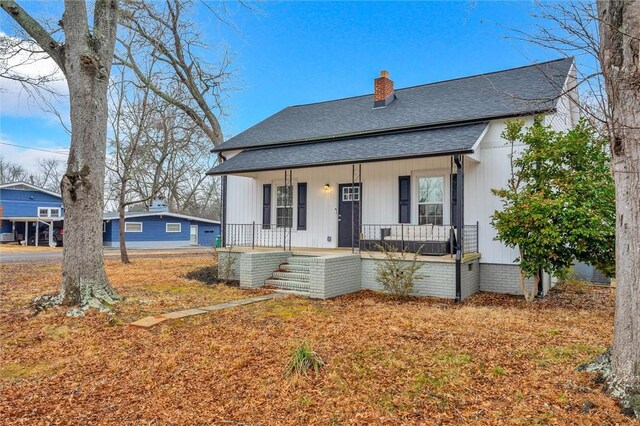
(512, 92)
(420, 143)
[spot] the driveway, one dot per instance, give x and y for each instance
(15, 254)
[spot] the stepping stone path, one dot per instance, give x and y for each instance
(150, 321)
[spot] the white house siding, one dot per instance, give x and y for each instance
(380, 194)
(488, 168)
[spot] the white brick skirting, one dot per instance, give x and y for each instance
(500, 278)
(331, 276)
(256, 267)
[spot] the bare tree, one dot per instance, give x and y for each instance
(607, 34)
(48, 176)
(84, 55)
(163, 31)
(132, 109)
(50, 172)
(619, 24)
(12, 172)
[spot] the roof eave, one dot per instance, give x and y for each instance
(340, 163)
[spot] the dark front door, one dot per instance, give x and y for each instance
(348, 213)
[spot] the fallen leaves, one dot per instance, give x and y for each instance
(492, 359)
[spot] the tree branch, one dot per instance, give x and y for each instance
(34, 29)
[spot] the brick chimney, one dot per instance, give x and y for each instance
(383, 90)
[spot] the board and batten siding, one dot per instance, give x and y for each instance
(486, 169)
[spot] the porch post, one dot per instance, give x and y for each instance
(26, 232)
(223, 215)
(37, 233)
(459, 222)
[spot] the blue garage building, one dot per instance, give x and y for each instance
(25, 208)
(160, 228)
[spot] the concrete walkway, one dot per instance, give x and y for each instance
(150, 321)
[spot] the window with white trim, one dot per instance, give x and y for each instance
(284, 206)
(350, 193)
(47, 212)
(133, 227)
(173, 227)
(430, 200)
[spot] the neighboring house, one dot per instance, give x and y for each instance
(25, 208)
(411, 168)
(160, 228)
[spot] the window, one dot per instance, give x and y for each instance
(351, 193)
(46, 212)
(174, 227)
(430, 200)
(284, 206)
(133, 227)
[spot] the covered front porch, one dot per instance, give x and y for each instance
(402, 205)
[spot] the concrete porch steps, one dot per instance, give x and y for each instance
(292, 275)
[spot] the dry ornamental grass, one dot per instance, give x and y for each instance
(492, 359)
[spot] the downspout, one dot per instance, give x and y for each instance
(223, 214)
(459, 162)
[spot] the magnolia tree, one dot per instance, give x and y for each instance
(559, 204)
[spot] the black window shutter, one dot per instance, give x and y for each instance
(266, 206)
(302, 206)
(404, 199)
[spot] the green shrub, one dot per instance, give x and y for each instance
(302, 360)
(396, 274)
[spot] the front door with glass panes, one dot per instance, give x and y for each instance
(348, 213)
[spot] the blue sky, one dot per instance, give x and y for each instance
(291, 53)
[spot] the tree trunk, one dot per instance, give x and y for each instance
(83, 273)
(124, 256)
(619, 54)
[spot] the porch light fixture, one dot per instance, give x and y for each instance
(327, 187)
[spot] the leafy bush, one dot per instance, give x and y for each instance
(302, 360)
(396, 274)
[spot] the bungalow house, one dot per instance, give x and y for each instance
(24, 208)
(157, 227)
(311, 192)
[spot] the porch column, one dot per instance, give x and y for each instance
(37, 233)
(459, 222)
(223, 215)
(26, 232)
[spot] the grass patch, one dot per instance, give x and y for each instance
(303, 359)
(498, 371)
(13, 372)
(289, 309)
(576, 352)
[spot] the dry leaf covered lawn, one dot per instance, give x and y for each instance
(489, 360)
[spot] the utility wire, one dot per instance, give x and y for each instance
(35, 149)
